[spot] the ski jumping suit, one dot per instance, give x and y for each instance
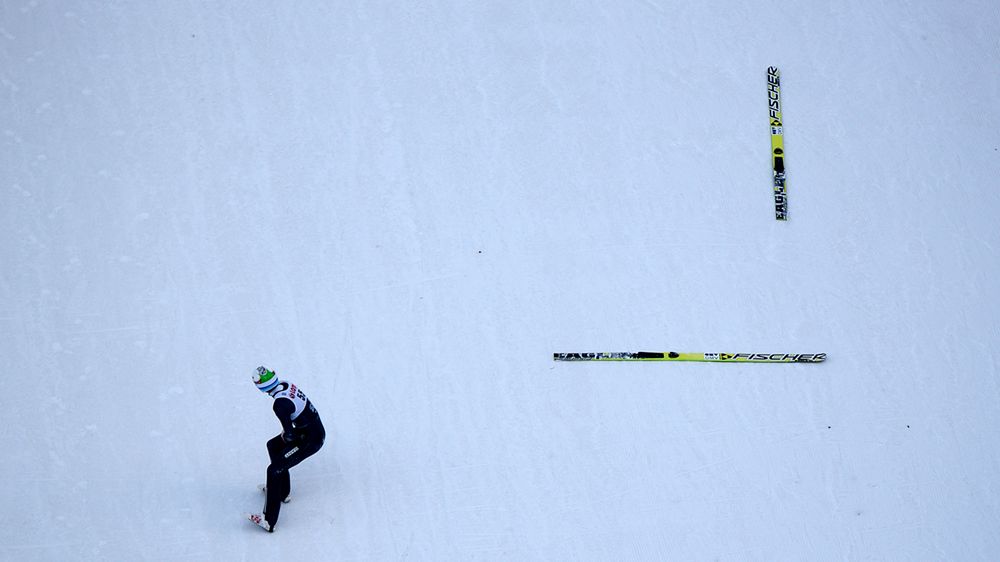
(302, 435)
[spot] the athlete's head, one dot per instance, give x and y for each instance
(265, 379)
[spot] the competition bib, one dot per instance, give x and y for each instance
(292, 392)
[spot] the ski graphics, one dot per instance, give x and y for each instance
(702, 357)
(777, 144)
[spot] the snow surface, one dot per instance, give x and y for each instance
(407, 208)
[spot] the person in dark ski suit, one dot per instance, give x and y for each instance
(302, 434)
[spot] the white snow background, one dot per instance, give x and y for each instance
(407, 207)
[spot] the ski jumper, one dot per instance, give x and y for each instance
(302, 434)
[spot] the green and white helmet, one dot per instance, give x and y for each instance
(265, 379)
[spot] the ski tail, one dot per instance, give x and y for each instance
(700, 357)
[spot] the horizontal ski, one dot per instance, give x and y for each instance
(704, 357)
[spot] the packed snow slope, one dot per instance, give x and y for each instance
(406, 208)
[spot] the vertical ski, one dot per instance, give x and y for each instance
(777, 144)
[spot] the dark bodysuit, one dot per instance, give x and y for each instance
(302, 435)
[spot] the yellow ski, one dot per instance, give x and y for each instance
(704, 357)
(777, 144)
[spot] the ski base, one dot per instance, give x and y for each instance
(703, 357)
